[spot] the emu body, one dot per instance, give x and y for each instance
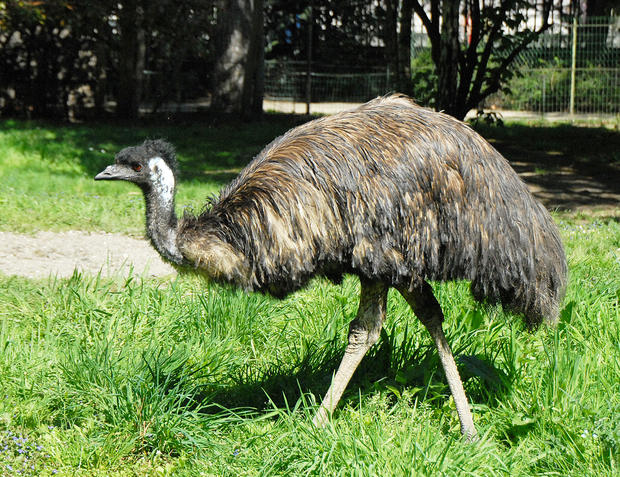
(392, 192)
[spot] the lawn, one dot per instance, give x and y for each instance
(134, 376)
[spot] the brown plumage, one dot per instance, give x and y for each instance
(391, 192)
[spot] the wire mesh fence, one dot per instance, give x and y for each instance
(573, 68)
(287, 80)
(592, 90)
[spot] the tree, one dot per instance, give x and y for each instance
(593, 33)
(397, 39)
(344, 33)
(132, 55)
(239, 54)
(600, 8)
(58, 56)
(178, 50)
(47, 58)
(474, 65)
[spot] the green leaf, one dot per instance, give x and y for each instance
(394, 390)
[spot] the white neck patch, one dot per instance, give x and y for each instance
(162, 178)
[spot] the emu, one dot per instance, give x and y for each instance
(391, 192)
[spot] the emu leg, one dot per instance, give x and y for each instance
(364, 331)
(427, 309)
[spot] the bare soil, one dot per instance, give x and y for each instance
(62, 253)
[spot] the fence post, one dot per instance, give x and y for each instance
(542, 104)
(573, 68)
(309, 62)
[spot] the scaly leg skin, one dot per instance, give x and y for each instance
(427, 309)
(364, 331)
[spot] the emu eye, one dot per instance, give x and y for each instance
(137, 167)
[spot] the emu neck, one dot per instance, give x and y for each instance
(161, 220)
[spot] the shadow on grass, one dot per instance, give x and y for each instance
(565, 166)
(384, 369)
(208, 147)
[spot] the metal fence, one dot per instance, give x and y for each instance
(573, 68)
(288, 80)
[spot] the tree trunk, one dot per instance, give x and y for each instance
(237, 78)
(404, 48)
(447, 69)
(253, 84)
(101, 78)
(132, 59)
(467, 76)
(45, 78)
(390, 37)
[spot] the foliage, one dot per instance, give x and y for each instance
(472, 66)
(547, 89)
(424, 79)
(75, 59)
(490, 118)
(21, 455)
(343, 33)
(58, 57)
(47, 52)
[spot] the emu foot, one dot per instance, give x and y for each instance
(321, 417)
(470, 434)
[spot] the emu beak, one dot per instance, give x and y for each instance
(111, 173)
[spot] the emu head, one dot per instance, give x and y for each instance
(152, 166)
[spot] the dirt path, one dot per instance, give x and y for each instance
(60, 253)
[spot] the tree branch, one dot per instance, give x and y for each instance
(431, 25)
(469, 58)
(494, 83)
(484, 59)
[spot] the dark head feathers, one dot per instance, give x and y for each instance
(163, 149)
(147, 150)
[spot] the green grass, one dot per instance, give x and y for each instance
(131, 376)
(47, 170)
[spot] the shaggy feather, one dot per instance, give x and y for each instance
(389, 191)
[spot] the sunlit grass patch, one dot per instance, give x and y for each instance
(48, 169)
